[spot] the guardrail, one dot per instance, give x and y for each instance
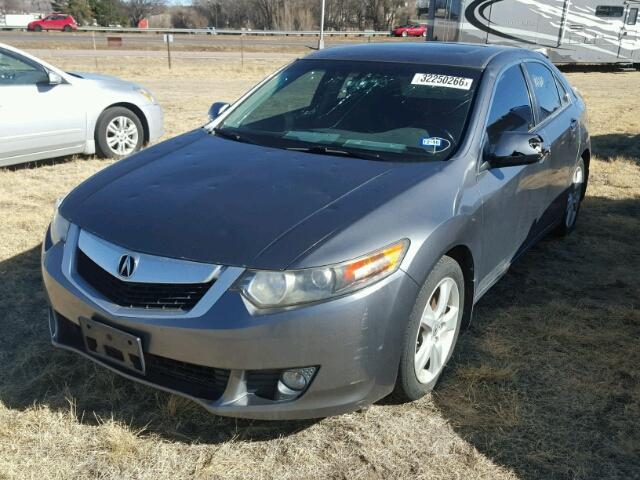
(211, 31)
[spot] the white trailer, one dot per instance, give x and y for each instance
(571, 31)
(17, 20)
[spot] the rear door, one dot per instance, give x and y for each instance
(557, 124)
(58, 22)
(36, 119)
(514, 198)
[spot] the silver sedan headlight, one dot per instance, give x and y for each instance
(273, 289)
(59, 225)
(146, 94)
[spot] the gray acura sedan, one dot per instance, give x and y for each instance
(322, 242)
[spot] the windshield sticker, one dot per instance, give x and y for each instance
(435, 144)
(447, 81)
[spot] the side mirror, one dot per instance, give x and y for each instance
(216, 109)
(516, 148)
(54, 78)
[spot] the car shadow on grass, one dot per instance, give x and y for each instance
(615, 145)
(35, 373)
(545, 382)
(46, 162)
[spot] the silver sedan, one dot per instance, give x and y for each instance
(46, 112)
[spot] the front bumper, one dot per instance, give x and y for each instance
(354, 340)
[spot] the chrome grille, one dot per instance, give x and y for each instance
(157, 296)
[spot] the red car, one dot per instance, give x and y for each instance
(412, 30)
(55, 21)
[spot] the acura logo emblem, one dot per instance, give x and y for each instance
(126, 265)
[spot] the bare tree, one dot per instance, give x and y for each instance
(185, 17)
(139, 9)
(305, 14)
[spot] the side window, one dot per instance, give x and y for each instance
(15, 70)
(511, 108)
(632, 18)
(609, 11)
(544, 89)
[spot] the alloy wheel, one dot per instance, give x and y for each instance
(437, 330)
(122, 135)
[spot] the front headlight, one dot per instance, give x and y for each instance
(59, 226)
(271, 289)
(146, 94)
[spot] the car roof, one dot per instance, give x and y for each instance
(433, 53)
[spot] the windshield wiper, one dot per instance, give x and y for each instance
(231, 135)
(325, 150)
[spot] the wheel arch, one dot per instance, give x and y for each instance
(463, 256)
(138, 113)
(586, 158)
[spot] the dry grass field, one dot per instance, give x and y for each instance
(544, 385)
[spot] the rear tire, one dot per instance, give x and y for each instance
(119, 133)
(432, 331)
(574, 200)
(405, 34)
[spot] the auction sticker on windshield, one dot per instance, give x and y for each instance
(447, 81)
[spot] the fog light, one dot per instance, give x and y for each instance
(294, 381)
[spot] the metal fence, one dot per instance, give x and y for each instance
(216, 31)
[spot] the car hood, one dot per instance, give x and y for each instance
(204, 198)
(102, 79)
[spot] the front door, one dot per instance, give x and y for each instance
(36, 119)
(514, 198)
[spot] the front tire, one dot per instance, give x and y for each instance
(67, 28)
(405, 34)
(432, 331)
(37, 28)
(119, 133)
(574, 200)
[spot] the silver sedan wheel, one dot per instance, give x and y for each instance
(437, 330)
(122, 136)
(575, 194)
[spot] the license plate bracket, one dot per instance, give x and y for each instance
(113, 345)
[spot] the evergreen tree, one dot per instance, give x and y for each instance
(79, 9)
(108, 12)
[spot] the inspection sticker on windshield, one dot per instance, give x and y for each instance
(447, 81)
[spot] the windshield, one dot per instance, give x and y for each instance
(381, 110)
